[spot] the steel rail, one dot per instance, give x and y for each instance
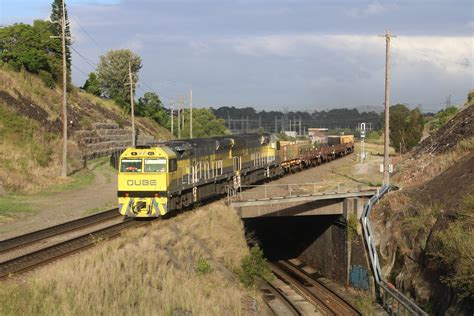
(331, 300)
(340, 299)
(45, 255)
(274, 291)
(300, 287)
(33, 237)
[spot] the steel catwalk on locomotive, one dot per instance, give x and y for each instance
(153, 181)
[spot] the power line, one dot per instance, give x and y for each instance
(94, 65)
(79, 69)
(87, 60)
(88, 35)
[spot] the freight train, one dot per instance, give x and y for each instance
(156, 180)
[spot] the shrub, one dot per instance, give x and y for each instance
(454, 251)
(47, 79)
(254, 265)
(203, 266)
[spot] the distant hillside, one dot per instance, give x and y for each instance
(30, 129)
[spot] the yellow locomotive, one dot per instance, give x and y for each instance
(153, 181)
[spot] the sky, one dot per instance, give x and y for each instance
(277, 54)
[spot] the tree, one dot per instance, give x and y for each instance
(150, 106)
(205, 124)
(92, 85)
(56, 20)
(29, 47)
(112, 73)
(406, 127)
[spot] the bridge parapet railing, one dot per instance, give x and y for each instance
(286, 190)
(394, 302)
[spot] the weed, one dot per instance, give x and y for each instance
(352, 223)
(203, 266)
(363, 303)
(254, 265)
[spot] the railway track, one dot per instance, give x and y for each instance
(271, 294)
(39, 235)
(35, 258)
(325, 300)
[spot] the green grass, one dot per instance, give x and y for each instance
(13, 205)
(77, 181)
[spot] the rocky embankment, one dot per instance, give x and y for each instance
(425, 234)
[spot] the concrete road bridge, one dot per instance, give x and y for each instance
(271, 200)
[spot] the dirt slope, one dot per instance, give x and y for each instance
(459, 127)
(425, 235)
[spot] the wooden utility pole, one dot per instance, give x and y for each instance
(386, 177)
(131, 103)
(184, 112)
(172, 114)
(63, 40)
(179, 117)
(191, 113)
(64, 110)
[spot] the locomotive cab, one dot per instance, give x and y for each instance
(143, 181)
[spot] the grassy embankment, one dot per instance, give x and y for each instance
(30, 139)
(30, 130)
(186, 263)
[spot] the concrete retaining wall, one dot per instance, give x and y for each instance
(105, 138)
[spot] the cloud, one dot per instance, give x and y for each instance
(450, 53)
(373, 8)
(136, 44)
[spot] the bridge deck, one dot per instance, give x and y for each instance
(330, 203)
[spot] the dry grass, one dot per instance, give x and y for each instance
(26, 85)
(414, 172)
(150, 271)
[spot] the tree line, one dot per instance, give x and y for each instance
(332, 119)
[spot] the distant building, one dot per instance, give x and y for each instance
(319, 135)
(290, 133)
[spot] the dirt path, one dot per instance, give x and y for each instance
(56, 208)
